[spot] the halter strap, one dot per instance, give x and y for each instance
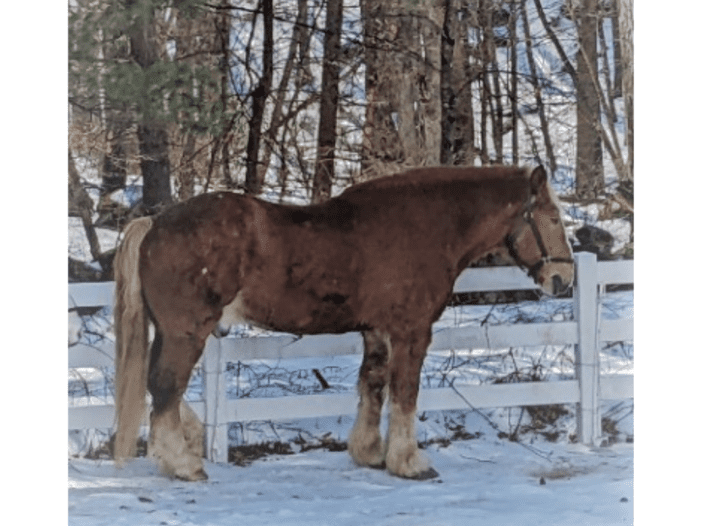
(532, 270)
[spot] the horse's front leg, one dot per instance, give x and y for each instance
(403, 456)
(365, 443)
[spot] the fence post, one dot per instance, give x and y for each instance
(216, 439)
(587, 362)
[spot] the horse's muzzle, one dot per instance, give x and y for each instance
(559, 287)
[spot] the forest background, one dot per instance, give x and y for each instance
(295, 100)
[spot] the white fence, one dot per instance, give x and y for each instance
(587, 332)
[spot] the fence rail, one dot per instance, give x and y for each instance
(586, 333)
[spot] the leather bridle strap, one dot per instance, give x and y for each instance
(532, 270)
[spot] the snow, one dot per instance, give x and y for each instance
(486, 481)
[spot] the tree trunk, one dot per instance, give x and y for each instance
(514, 107)
(114, 163)
(491, 80)
(457, 130)
(381, 139)
(617, 51)
(80, 205)
(418, 86)
(113, 171)
(326, 142)
(429, 83)
(536, 83)
(222, 23)
(449, 34)
(626, 32)
(299, 41)
(403, 112)
(254, 176)
(567, 66)
(151, 132)
(202, 42)
(589, 168)
(155, 166)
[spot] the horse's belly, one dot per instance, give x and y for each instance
(293, 312)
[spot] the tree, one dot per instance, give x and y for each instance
(326, 142)
(201, 39)
(402, 56)
(151, 130)
(392, 85)
(536, 83)
(457, 76)
(124, 64)
(259, 96)
(296, 63)
(589, 170)
(381, 140)
(625, 22)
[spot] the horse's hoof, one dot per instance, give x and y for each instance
(198, 476)
(425, 475)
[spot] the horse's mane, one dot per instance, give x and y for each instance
(426, 177)
(440, 182)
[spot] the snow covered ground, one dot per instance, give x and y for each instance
(487, 481)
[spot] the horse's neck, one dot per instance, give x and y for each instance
(487, 232)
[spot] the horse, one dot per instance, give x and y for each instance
(380, 258)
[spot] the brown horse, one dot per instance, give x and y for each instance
(381, 258)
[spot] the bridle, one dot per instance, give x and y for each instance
(532, 270)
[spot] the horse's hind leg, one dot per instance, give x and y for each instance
(403, 457)
(193, 430)
(365, 443)
(175, 440)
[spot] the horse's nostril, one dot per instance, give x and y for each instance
(558, 284)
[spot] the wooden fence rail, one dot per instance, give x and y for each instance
(586, 333)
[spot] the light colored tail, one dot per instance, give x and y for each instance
(131, 345)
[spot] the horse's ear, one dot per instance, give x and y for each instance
(538, 180)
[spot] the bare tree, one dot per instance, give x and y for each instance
(514, 84)
(259, 96)
(536, 83)
(381, 139)
(457, 75)
(198, 41)
(326, 142)
(80, 205)
(296, 61)
(408, 83)
(589, 168)
(402, 56)
(626, 33)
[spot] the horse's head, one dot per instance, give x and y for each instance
(538, 241)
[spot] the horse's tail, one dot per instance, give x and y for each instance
(131, 341)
